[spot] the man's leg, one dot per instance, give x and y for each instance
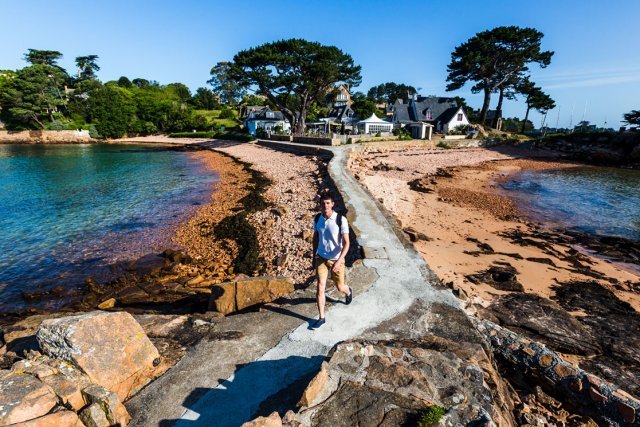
(322, 272)
(339, 280)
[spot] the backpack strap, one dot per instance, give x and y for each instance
(339, 222)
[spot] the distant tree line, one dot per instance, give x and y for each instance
(44, 95)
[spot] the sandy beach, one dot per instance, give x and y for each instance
(469, 225)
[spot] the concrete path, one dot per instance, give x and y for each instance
(402, 279)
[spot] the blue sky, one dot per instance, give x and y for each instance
(596, 62)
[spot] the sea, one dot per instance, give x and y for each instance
(71, 211)
(598, 200)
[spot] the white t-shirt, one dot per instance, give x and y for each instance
(329, 237)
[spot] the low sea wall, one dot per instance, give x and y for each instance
(45, 137)
(317, 140)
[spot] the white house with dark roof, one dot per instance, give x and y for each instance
(266, 119)
(443, 114)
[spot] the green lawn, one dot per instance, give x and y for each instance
(212, 117)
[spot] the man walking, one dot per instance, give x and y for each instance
(330, 246)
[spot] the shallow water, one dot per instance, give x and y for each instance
(69, 211)
(603, 201)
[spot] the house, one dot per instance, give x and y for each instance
(343, 97)
(341, 114)
(266, 120)
(443, 114)
(374, 124)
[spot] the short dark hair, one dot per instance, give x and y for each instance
(327, 196)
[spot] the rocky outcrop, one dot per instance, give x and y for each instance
(23, 397)
(229, 297)
(579, 389)
(110, 348)
(93, 362)
(372, 383)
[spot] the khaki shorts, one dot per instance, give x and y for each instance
(323, 268)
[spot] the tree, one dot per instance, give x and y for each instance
(293, 74)
(204, 99)
(493, 58)
(125, 82)
(87, 67)
(224, 85)
(181, 91)
(535, 98)
(633, 118)
(390, 92)
(112, 110)
(42, 57)
(364, 108)
(33, 96)
(141, 83)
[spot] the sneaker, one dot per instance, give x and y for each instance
(318, 323)
(349, 297)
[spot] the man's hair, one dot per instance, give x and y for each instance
(327, 196)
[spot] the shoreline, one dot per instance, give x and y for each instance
(504, 267)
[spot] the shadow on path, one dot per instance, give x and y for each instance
(256, 389)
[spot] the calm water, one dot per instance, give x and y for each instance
(68, 211)
(603, 201)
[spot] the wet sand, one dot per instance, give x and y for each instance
(470, 226)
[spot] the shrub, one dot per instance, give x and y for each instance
(378, 134)
(226, 114)
(431, 416)
(93, 132)
(57, 125)
(443, 144)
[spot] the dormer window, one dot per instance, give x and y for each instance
(427, 114)
(269, 114)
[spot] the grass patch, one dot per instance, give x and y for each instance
(431, 416)
(213, 118)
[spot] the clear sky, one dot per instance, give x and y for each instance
(596, 62)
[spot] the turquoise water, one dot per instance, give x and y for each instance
(603, 201)
(69, 211)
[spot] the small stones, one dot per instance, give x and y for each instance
(545, 360)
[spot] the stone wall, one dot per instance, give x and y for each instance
(316, 140)
(45, 137)
(286, 138)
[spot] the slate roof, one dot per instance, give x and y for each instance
(262, 115)
(414, 110)
(342, 113)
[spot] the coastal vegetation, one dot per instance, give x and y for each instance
(44, 95)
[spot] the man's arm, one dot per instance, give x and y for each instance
(343, 253)
(315, 249)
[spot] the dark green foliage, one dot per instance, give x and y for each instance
(443, 144)
(293, 74)
(125, 82)
(32, 97)
(111, 110)
(390, 92)
(224, 84)
(495, 59)
(87, 67)
(364, 108)
(431, 416)
(42, 57)
(226, 114)
(180, 91)
(204, 99)
(633, 118)
(535, 98)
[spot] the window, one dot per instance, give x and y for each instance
(269, 114)
(459, 117)
(427, 115)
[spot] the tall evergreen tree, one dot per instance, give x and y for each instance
(492, 58)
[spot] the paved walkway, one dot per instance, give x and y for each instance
(401, 279)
